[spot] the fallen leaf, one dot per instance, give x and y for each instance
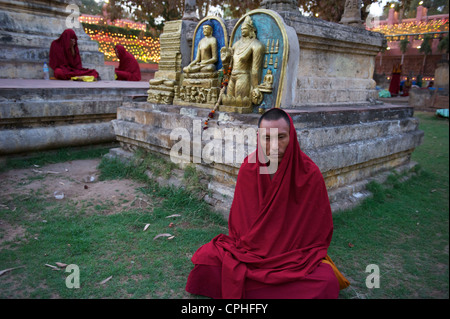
(174, 215)
(351, 245)
(106, 280)
(4, 271)
(61, 265)
(53, 267)
(162, 235)
(171, 237)
(146, 226)
(171, 225)
(86, 187)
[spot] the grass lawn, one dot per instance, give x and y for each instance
(403, 230)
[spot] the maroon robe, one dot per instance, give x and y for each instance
(128, 69)
(65, 65)
(279, 233)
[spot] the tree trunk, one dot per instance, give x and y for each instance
(424, 62)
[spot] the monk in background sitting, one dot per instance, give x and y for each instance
(64, 58)
(279, 229)
(128, 69)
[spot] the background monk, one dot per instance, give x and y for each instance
(64, 57)
(128, 69)
(280, 227)
(394, 85)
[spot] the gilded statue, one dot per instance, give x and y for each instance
(267, 84)
(246, 58)
(206, 58)
(200, 82)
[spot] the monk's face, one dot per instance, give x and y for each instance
(275, 138)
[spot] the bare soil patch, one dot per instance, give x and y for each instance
(76, 181)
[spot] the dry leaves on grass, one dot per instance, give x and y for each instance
(169, 236)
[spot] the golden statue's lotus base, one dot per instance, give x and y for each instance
(236, 109)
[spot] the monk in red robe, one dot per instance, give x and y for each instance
(280, 227)
(64, 57)
(128, 69)
(394, 85)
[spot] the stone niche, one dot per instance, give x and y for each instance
(351, 136)
(27, 29)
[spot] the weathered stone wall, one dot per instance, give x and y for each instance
(336, 62)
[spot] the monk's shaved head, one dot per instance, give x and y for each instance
(274, 115)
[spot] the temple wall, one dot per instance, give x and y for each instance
(336, 62)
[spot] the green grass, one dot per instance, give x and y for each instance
(403, 229)
(107, 245)
(51, 157)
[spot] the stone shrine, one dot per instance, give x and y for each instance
(330, 95)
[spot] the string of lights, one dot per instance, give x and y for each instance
(123, 23)
(409, 28)
(143, 48)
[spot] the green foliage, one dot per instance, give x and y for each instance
(404, 45)
(443, 45)
(56, 156)
(426, 46)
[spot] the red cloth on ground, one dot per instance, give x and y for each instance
(64, 64)
(279, 233)
(128, 69)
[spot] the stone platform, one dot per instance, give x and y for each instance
(351, 144)
(38, 115)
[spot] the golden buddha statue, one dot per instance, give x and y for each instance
(206, 58)
(246, 57)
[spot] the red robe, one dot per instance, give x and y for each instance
(279, 233)
(394, 85)
(64, 64)
(128, 69)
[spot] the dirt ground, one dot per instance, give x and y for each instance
(77, 181)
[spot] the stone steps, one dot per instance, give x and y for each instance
(349, 144)
(41, 40)
(42, 118)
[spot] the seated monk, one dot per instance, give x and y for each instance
(128, 69)
(64, 57)
(280, 227)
